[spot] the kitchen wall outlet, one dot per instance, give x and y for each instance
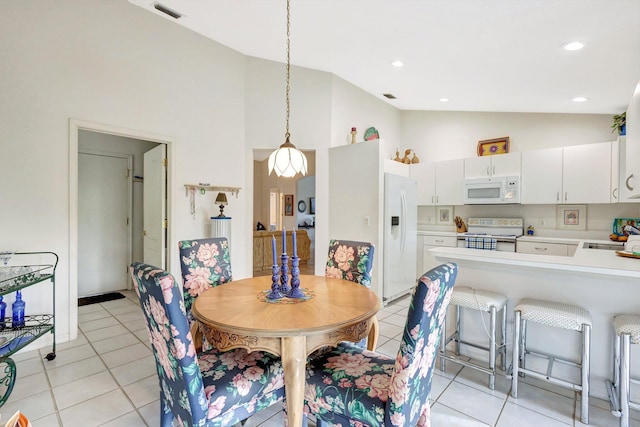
(367, 220)
(542, 222)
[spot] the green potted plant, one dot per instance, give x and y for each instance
(620, 123)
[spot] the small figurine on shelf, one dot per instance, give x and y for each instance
(406, 159)
(353, 135)
(397, 159)
(415, 158)
(530, 230)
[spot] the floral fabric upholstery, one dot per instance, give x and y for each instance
(204, 263)
(350, 386)
(351, 261)
(212, 388)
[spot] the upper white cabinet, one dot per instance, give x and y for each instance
(439, 183)
(586, 173)
(630, 152)
(541, 176)
(490, 166)
(575, 174)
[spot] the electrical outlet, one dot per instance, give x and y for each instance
(367, 220)
(542, 223)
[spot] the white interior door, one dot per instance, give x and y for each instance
(103, 209)
(154, 206)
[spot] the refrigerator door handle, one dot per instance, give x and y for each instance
(403, 199)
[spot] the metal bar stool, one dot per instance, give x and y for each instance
(627, 331)
(484, 301)
(557, 315)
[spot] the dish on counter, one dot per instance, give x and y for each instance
(628, 254)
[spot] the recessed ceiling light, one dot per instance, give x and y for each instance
(580, 99)
(573, 46)
(397, 64)
(444, 99)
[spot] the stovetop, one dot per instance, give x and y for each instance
(496, 227)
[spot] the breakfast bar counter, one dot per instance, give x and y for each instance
(597, 279)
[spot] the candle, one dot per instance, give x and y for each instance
(284, 240)
(295, 248)
(273, 249)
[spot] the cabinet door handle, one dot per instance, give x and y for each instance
(557, 196)
(432, 201)
(626, 183)
(488, 173)
(493, 171)
(615, 193)
(437, 199)
(565, 196)
(439, 241)
(540, 249)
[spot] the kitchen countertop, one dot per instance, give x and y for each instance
(592, 261)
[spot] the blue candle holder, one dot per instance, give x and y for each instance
(295, 291)
(275, 284)
(284, 274)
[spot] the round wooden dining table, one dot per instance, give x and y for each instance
(237, 315)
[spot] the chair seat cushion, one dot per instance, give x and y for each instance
(554, 314)
(628, 324)
(477, 299)
(243, 382)
(342, 368)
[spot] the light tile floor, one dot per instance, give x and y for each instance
(107, 377)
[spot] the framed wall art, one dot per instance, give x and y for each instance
(288, 204)
(444, 215)
(571, 217)
(490, 147)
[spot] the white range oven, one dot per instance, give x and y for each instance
(492, 233)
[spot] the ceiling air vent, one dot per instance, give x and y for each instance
(166, 10)
(389, 95)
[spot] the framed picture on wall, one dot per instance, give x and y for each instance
(572, 217)
(444, 215)
(312, 205)
(288, 204)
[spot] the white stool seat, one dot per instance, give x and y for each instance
(554, 314)
(628, 324)
(477, 299)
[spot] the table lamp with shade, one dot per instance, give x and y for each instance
(221, 224)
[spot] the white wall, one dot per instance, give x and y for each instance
(444, 135)
(112, 63)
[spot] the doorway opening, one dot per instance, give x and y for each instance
(108, 215)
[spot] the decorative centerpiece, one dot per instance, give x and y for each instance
(280, 286)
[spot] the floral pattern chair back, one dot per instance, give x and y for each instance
(205, 263)
(350, 386)
(351, 261)
(211, 388)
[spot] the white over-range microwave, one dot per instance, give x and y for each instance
(492, 191)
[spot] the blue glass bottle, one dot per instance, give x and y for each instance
(17, 312)
(3, 309)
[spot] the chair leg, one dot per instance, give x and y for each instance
(458, 334)
(586, 352)
(492, 347)
(503, 343)
(516, 356)
(625, 380)
(616, 360)
(443, 343)
(523, 343)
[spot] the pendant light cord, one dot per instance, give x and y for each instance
(288, 67)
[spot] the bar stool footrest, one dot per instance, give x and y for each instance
(452, 357)
(614, 402)
(546, 376)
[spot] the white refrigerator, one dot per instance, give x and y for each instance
(400, 235)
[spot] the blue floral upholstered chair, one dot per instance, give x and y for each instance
(349, 386)
(205, 263)
(349, 260)
(353, 261)
(211, 388)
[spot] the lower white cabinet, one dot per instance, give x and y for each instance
(434, 241)
(546, 248)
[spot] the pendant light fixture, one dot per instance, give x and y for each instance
(287, 160)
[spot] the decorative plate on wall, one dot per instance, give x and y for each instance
(371, 134)
(302, 206)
